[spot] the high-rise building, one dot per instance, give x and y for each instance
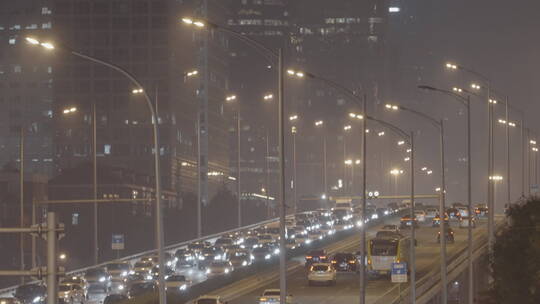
(25, 86)
(147, 39)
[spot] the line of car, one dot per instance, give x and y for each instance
(121, 280)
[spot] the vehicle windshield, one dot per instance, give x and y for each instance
(271, 293)
(143, 264)
(96, 289)
(223, 241)
(118, 266)
(260, 250)
(383, 234)
(220, 264)
(176, 278)
(95, 272)
(206, 301)
(64, 288)
(265, 237)
(320, 268)
(383, 248)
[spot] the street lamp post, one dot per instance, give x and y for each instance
(364, 117)
(265, 51)
(232, 98)
(439, 124)
(294, 130)
(159, 212)
(95, 227)
(320, 124)
(490, 104)
(466, 102)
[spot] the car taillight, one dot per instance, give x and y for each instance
(323, 257)
(309, 257)
(352, 261)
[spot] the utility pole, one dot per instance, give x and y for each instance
(238, 160)
(94, 156)
(21, 198)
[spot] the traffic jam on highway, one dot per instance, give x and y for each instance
(198, 261)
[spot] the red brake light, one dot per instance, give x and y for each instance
(323, 257)
(309, 257)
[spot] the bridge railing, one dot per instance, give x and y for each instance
(8, 291)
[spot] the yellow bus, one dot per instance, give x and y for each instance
(384, 251)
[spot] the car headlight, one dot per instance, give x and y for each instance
(308, 241)
(244, 263)
(124, 273)
(36, 300)
(102, 279)
(131, 272)
(169, 263)
(217, 257)
(201, 258)
(207, 271)
(374, 216)
(183, 287)
(276, 251)
(386, 212)
(120, 287)
(226, 270)
(267, 257)
(320, 237)
(251, 256)
(149, 277)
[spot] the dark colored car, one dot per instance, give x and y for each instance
(449, 235)
(138, 289)
(344, 261)
(406, 222)
(114, 298)
(316, 256)
(437, 220)
(186, 257)
(251, 242)
(31, 294)
(155, 271)
(453, 213)
(208, 255)
(262, 253)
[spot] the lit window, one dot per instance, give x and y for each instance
(12, 40)
(49, 70)
(15, 27)
(17, 68)
(47, 25)
(45, 11)
(75, 219)
(107, 149)
(394, 9)
(31, 27)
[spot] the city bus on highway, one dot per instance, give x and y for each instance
(383, 251)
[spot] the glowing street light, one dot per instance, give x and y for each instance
(348, 162)
(407, 159)
(380, 133)
(319, 123)
(298, 74)
(451, 66)
(496, 178)
(347, 128)
(429, 172)
(268, 97)
(34, 41)
(534, 149)
(532, 142)
(230, 98)
(457, 90)
(391, 107)
(401, 143)
(475, 86)
(424, 169)
(137, 91)
(192, 73)
(69, 110)
(357, 116)
(396, 172)
(293, 117)
(197, 23)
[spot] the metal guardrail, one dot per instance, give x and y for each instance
(429, 285)
(10, 290)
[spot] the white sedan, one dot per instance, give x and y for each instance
(322, 273)
(272, 296)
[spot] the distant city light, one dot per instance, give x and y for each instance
(394, 9)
